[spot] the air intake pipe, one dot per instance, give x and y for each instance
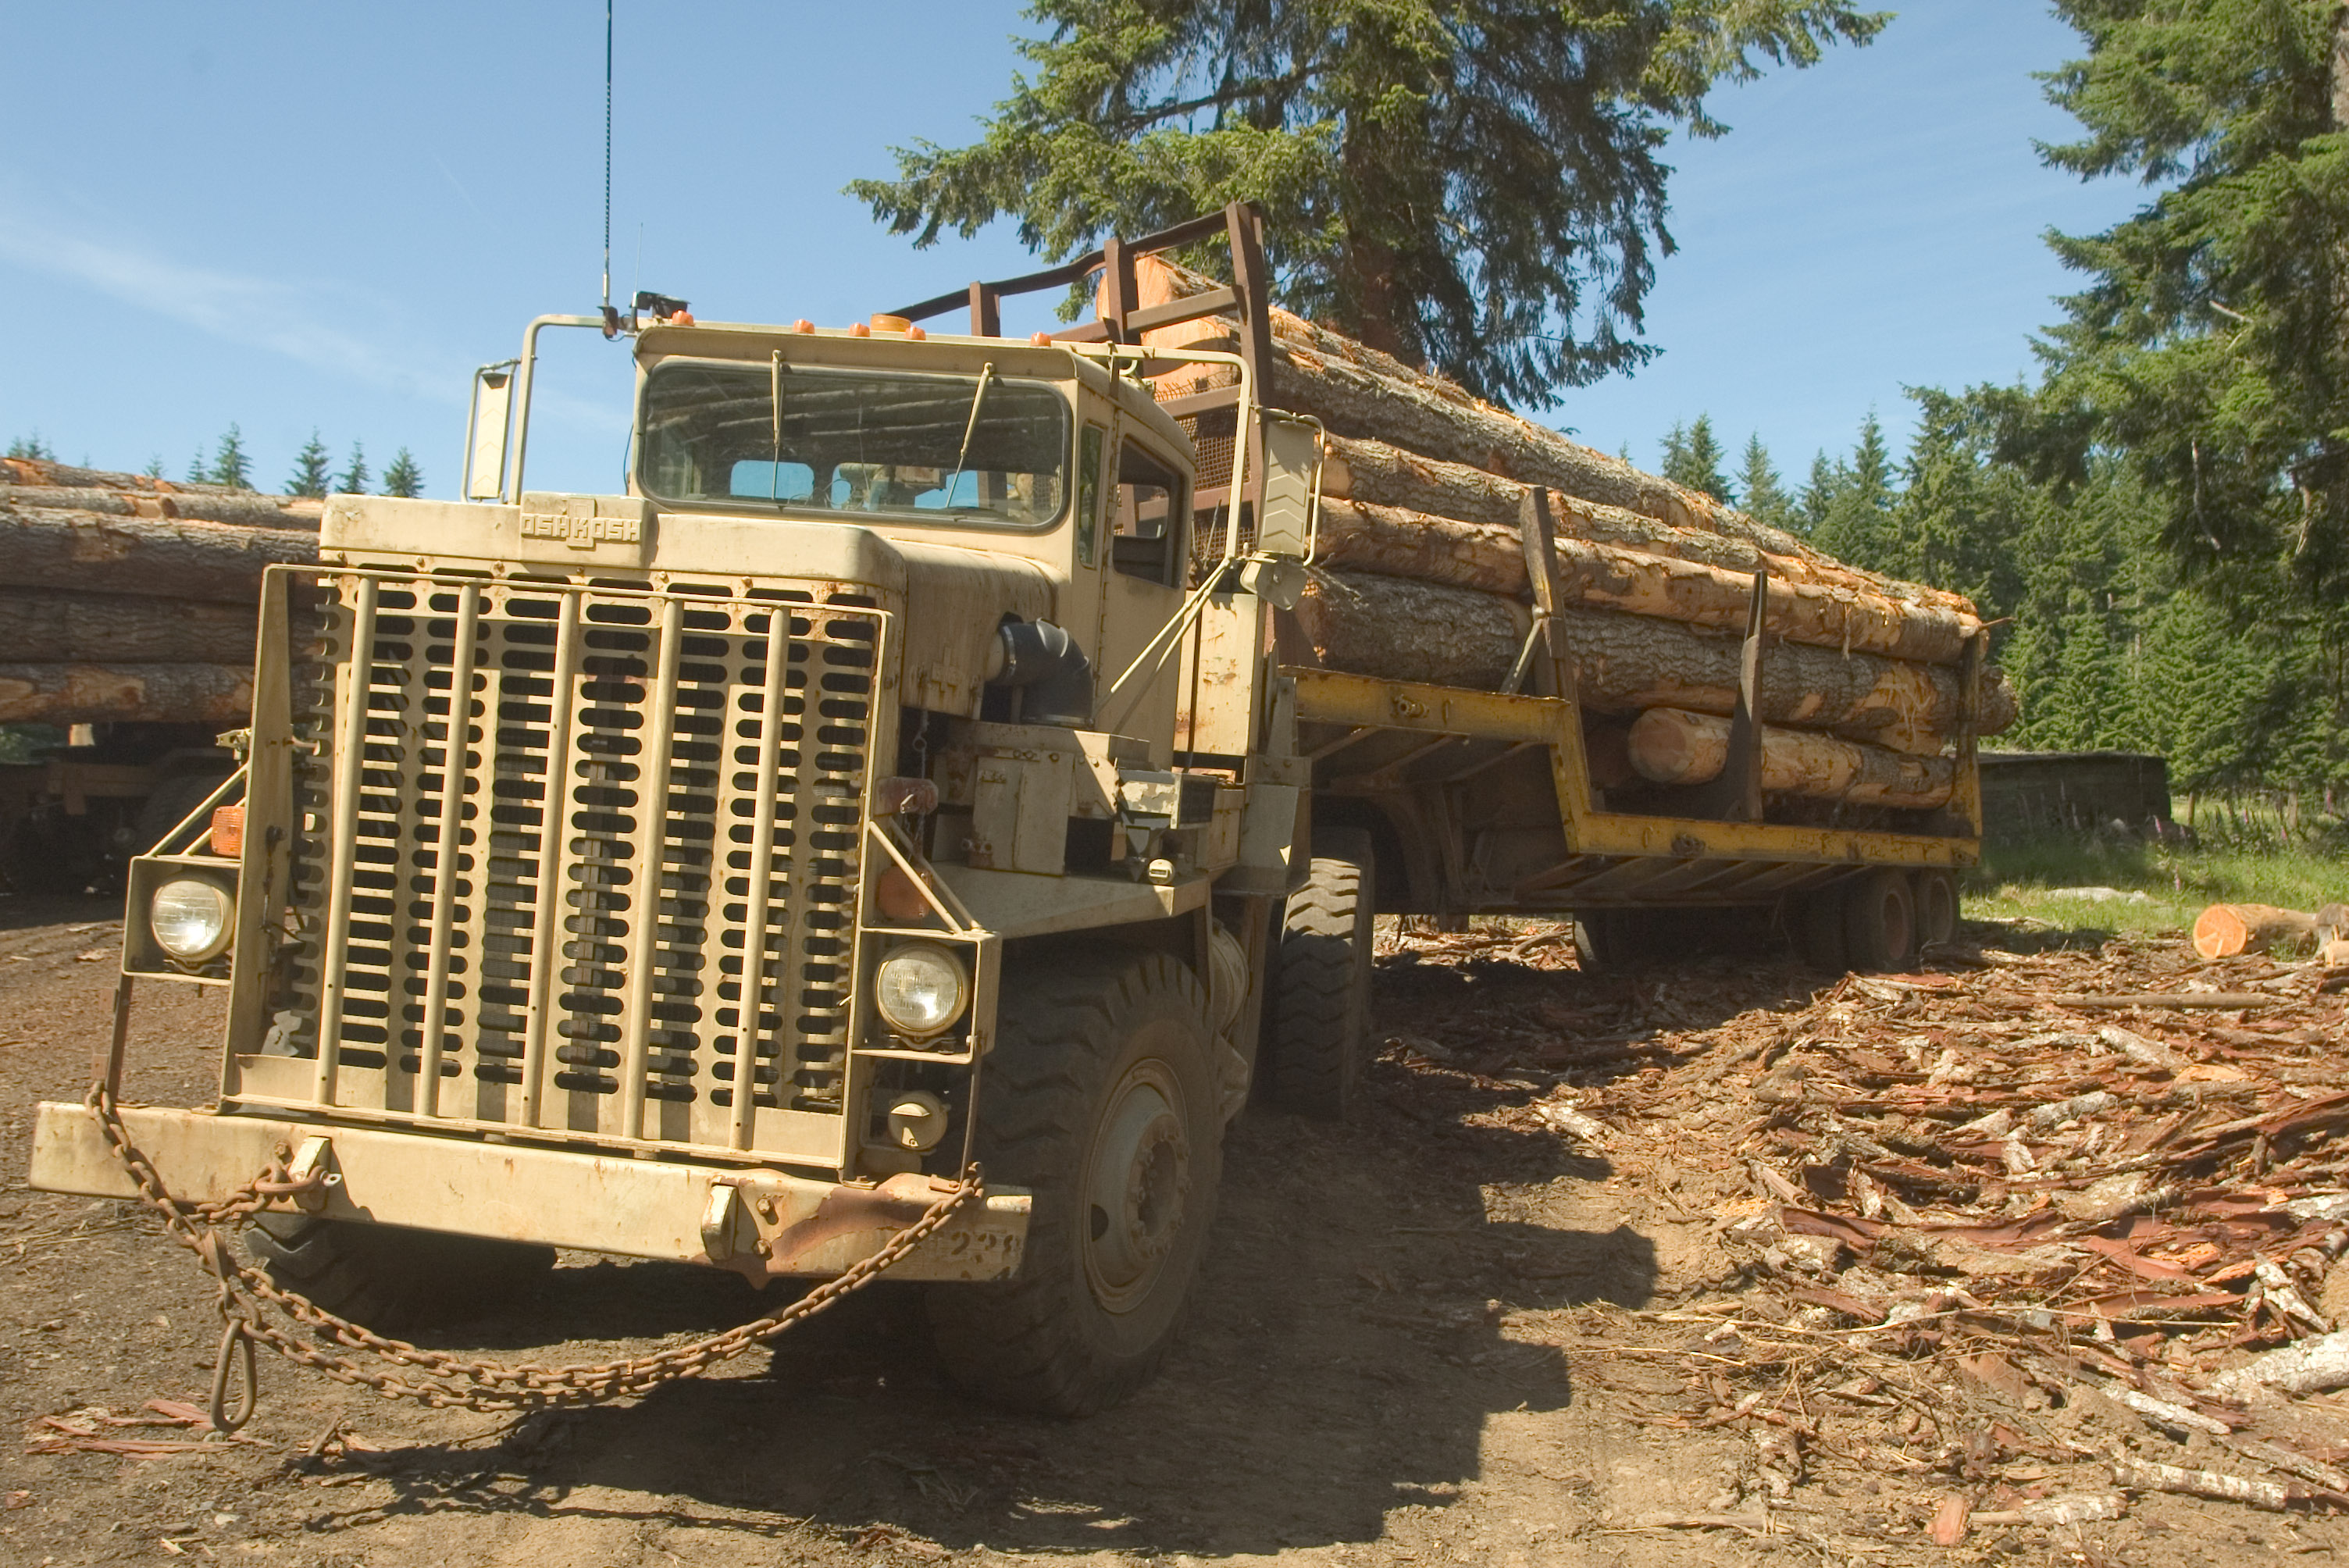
(1044, 662)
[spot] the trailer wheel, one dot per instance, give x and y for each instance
(1319, 1038)
(1614, 940)
(391, 1278)
(1880, 920)
(1099, 1097)
(1816, 921)
(1936, 907)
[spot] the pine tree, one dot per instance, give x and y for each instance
(310, 475)
(1818, 498)
(403, 478)
(1477, 189)
(32, 446)
(154, 469)
(231, 465)
(1759, 490)
(353, 479)
(1857, 524)
(1693, 459)
(199, 471)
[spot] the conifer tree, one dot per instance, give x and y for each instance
(154, 469)
(1476, 187)
(1759, 490)
(353, 479)
(231, 465)
(1693, 459)
(311, 476)
(32, 446)
(199, 471)
(1856, 524)
(403, 478)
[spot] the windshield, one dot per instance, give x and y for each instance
(853, 441)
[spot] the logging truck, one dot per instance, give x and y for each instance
(927, 765)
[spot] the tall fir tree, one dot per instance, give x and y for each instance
(355, 478)
(403, 478)
(199, 471)
(1855, 525)
(1760, 491)
(1693, 459)
(1475, 189)
(311, 475)
(232, 464)
(154, 469)
(1818, 495)
(32, 446)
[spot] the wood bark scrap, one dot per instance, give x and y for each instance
(1402, 629)
(1672, 746)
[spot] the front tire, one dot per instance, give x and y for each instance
(1100, 1098)
(390, 1278)
(1880, 915)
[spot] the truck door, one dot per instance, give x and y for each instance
(1143, 586)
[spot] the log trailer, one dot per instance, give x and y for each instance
(901, 776)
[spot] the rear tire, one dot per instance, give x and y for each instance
(1816, 920)
(390, 1278)
(1099, 1097)
(1936, 907)
(1611, 942)
(1880, 920)
(1318, 1043)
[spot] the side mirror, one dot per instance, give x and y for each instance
(485, 424)
(1291, 507)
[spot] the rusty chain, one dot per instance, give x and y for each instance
(435, 1377)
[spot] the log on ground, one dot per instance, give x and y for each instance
(1673, 746)
(57, 626)
(92, 694)
(2225, 930)
(1400, 629)
(43, 547)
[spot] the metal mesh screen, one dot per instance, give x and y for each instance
(640, 921)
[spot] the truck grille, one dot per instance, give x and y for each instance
(640, 924)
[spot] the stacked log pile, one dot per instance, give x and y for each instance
(1421, 576)
(124, 597)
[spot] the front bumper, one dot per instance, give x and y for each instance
(760, 1224)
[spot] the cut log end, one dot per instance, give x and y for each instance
(2231, 929)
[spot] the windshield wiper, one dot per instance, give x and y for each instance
(969, 428)
(775, 424)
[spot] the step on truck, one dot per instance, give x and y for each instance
(886, 838)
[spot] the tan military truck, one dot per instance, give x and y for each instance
(901, 778)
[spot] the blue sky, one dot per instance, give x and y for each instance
(299, 216)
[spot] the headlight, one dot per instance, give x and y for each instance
(920, 989)
(190, 920)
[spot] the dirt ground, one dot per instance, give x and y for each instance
(1465, 1328)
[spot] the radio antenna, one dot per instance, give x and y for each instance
(611, 317)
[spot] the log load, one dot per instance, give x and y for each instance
(44, 547)
(1399, 543)
(1404, 629)
(55, 624)
(1673, 746)
(2229, 930)
(83, 694)
(128, 598)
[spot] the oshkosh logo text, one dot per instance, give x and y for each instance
(582, 532)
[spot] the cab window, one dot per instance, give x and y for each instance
(1146, 536)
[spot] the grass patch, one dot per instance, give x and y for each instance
(2160, 887)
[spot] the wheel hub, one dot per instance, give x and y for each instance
(1137, 1187)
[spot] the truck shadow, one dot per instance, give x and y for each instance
(1371, 1306)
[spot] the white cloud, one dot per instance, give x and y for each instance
(305, 323)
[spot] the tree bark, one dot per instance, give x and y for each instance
(144, 495)
(90, 694)
(1401, 544)
(53, 624)
(2225, 930)
(41, 547)
(1672, 746)
(1376, 473)
(1405, 630)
